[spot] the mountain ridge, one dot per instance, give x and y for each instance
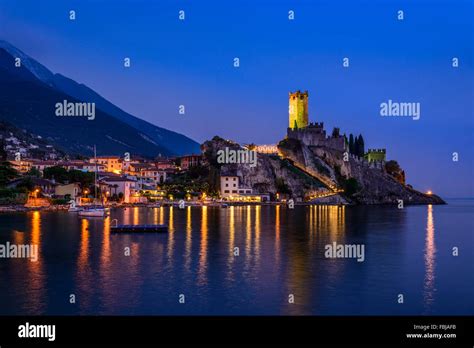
(170, 143)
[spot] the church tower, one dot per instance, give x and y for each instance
(298, 110)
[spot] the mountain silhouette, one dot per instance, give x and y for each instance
(30, 92)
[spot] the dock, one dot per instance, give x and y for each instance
(139, 229)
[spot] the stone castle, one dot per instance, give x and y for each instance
(375, 155)
(311, 134)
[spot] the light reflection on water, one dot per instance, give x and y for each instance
(281, 252)
(430, 251)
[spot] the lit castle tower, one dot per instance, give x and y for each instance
(310, 134)
(298, 110)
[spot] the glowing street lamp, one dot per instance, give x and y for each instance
(429, 192)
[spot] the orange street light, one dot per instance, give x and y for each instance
(429, 192)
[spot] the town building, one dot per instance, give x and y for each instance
(41, 186)
(147, 174)
(122, 185)
(72, 190)
(231, 190)
(165, 164)
(42, 165)
(112, 163)
(189, 161)
(22, 166)
(91, 167)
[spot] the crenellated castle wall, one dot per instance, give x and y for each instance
(315, 135)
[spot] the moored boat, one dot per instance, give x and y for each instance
(94, 212)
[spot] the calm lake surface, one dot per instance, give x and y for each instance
(281, 252)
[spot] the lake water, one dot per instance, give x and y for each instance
(281, 253)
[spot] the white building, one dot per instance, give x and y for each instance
(230, 187)
(119, 185)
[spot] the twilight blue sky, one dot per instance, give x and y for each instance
(191, 63)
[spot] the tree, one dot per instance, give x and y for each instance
(360, 146)
(26, 184)
(392, 167)
(62, 175)
(34, 172)
(115, 187)
(351, 186)
(281, 186)
(356, 146)
(7, 172)
(57, 173)
(351, 143)
(3, 152)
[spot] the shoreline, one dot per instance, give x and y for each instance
(62, 207)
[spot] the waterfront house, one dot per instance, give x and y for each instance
(123, 185)
(71, 190)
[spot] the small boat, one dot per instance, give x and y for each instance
(224, 205)
(73, 208)
(94, 212)
(138, 228)
(156, 205)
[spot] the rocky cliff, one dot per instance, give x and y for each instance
(271, 174)
(363, 183)
(315, 173)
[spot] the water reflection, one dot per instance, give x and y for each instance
(105, 267)
(258, 225)
(202, 268)
(248, 237)
(322, 225)
(84, 281)
(430, 253)
(36, 302)
(277, 234)
(189, 240)
(231, 257)
(281, 253)
(170, 236)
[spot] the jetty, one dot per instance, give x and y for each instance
(160, 228)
